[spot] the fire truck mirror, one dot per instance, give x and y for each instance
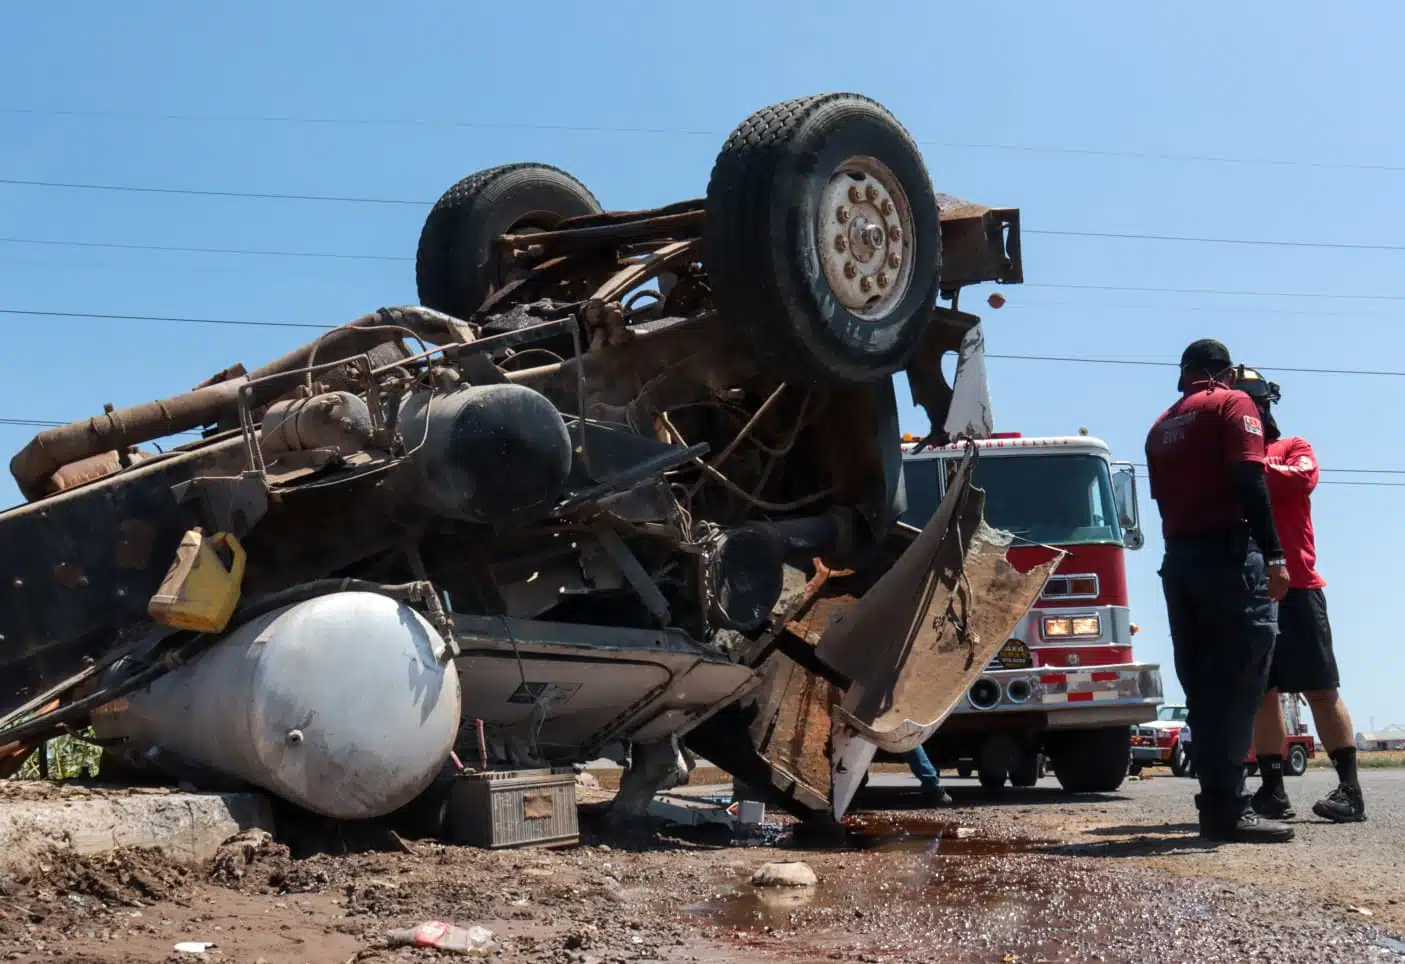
(1124, 491)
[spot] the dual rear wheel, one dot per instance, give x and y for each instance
(822, 237)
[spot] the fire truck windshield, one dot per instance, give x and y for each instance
(1042, 498)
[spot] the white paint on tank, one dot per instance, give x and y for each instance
(339, 704)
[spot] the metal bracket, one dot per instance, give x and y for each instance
(636, 576)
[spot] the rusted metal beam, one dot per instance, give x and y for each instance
(681, 225)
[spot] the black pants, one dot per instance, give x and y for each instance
(1223, 627)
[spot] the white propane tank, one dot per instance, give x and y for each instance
(339, 704)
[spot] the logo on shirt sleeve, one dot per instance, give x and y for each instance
(1253, 426)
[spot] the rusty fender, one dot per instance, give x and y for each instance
(922, 634)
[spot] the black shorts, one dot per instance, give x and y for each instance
(1303, 661)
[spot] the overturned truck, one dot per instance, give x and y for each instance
(624, 483)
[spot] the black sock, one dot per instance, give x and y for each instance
(1345, 762)
(1271, 769)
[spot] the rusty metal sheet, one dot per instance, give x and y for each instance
(922, 634)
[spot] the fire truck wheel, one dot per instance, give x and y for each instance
(1091, 761)
(1297, 760)
(457, 266)
(823, 238)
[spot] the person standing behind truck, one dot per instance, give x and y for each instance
(1222, 574)
(1303, 661)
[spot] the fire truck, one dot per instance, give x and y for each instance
(1065, 687)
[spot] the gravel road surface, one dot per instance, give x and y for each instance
(1024, 877)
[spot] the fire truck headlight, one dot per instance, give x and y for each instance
(1087, 626)
(1055, 626)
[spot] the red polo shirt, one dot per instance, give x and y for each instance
(1190, 454)
(1292, 475)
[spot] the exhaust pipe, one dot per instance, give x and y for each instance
(984, 694)
(52, 449)
(1019, 691)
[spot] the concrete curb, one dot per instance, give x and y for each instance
(185, 826)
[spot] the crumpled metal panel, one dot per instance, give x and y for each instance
(922, 634)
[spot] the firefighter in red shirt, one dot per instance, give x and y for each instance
(1303, 661)
(1222, 574)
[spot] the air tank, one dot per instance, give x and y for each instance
(339, 704)
(486, 451)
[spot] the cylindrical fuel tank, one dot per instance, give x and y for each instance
(339, 704)
(486, 451)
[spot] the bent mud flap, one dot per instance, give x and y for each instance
(869, 665)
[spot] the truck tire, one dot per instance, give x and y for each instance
(1179, 763)
(1091, 761)
(456, 266)
(1025, 772)
(992, 779)
(1297, 760)
(824, 300)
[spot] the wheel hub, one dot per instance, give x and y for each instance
(866, 228)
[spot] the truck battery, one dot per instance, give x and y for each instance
(514, 808)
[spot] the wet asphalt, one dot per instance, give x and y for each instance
(1120, 876)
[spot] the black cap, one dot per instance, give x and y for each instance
(1206, 355)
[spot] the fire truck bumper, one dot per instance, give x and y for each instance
(1128, 693)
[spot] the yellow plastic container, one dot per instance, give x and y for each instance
(202, 586)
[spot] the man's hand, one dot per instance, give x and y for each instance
(1277, 582)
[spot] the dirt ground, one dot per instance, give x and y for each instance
(1032, 879)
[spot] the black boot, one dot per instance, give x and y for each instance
(1343, 805)
(1248, 828)
(1271, 799)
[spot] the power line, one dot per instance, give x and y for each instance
(1062, 359)
(1351, 296)
(1359, 482)
(685, 132)
(345, 199)
(198, 192)
(49, 423)
(1069, 360)
(199, 250)
(1263, 242)
(165, 318)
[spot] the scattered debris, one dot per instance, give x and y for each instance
(474, 941)
(792, 874)
(194, 947)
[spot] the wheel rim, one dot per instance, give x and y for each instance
(865, 235)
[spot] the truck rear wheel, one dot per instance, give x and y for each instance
(823, 238)
(1297, 760)
(1091, 761)
(457, 266)
(1025, 772)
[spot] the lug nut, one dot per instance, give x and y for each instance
(886, 207)
(840, 244)
(895, 233)
(842, 214)
(882, 279)
(851, 270)
(865, 286)
(855, 194)
(893, 259)
(871, 193)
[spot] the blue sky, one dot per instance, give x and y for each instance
(398, 103)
